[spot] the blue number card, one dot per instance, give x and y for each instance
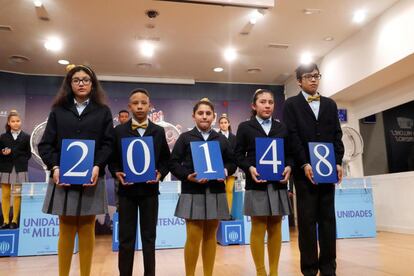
(322, 157)
(138, 159)
(207, 160)
(270, 158)
(76, 161)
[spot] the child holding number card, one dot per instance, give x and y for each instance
(143, 195)
(265, 201)
(15, 153)
(202, 202)
(78, 112)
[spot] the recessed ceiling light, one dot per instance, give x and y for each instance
(53, 44)
(230, 54)
(306, 58)
(63, 61)
(328, 38)
(218, 69)
(144, 65)
(359, 16)
(255, 16)
(254, 70)
(147, 49)
(309, 11)
(37, 3)
(16, 59)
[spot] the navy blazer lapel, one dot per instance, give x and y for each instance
(90, 107)
(305, 105)
(253, 122)
(273, 129)
(128, 125)
(196, 133)
(322, 106)
(150, 129)
(213, 135)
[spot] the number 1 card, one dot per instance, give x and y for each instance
(207, 160)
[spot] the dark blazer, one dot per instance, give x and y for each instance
(20, 152)
(246, 149)
(64, 122)
(181, 161)
(231, 139)
(304, 127)
(161, 154)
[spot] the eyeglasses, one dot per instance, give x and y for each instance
(85, 81)
(310, 76)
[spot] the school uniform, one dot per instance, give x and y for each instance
(93, 122)
(262, 199)
(140, 196)
(13, 167)
(314, 121)
(200, 201)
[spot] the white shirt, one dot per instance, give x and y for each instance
(15, 134)
(314, 105)
(225, 133)
(140, 130)
(266, 124)
(81, 106)
(205, 134)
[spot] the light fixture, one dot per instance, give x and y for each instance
(63, 61)
(53, 44)
(306, 58)
(147, 49)
(328, 38)
(255, 16)
(37, 3)
(218, 69)
(230, 54)
(359, 16)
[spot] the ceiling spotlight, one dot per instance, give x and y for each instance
(306, 58)
(63, 61)
(37, 3)
(359, 16)
(255, 16)
(328, 38)
(218, 69)
(230, 54)
(53, 44)
(147, 49)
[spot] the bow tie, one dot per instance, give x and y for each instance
(316, 97)
(139, 125)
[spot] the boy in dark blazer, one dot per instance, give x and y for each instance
(142, 196)
(311, 117)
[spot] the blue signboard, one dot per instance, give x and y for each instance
(38, 232)
(355, 216)
(270, 158)
(322, 157)
(76, 161)
(138, 159)
(207, 160)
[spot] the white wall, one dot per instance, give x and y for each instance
(393, 201)
(368, 73)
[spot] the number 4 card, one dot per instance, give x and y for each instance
(322, 157)
(138, 159)
(270, 158)
(207, 160)
(76, 161)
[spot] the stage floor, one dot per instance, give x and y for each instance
(388, 254)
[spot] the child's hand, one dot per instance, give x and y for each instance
(6, 151)
(255, 175)
(192, 177)
(157, 178)
(121, 178)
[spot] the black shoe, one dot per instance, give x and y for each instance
(5, 226)
(13, 225)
